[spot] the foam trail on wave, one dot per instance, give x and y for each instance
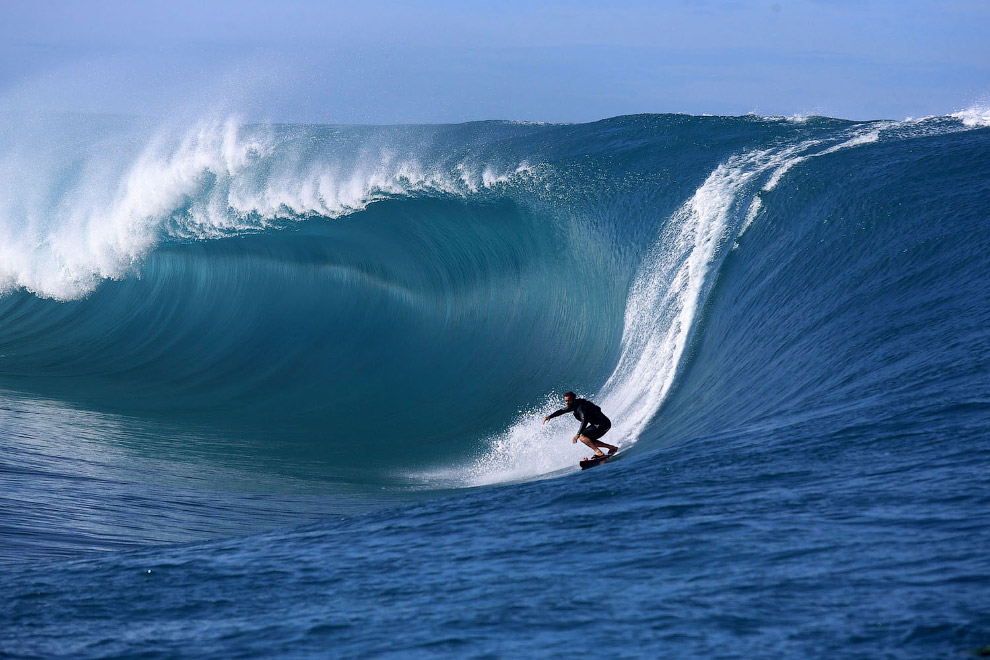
(861, 137)
(976, 117)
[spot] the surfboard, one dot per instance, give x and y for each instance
(596, 460)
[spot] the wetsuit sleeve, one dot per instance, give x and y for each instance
(558, 413)
(584, 425)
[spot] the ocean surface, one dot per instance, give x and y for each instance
(276, 391)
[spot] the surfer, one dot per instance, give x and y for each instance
(594, 423)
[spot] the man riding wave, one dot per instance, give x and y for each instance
(594, 423)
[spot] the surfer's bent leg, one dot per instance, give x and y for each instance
(591, 443)
(611, 448)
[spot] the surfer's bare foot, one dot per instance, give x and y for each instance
(611, 452)
(598, 454)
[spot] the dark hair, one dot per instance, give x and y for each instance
(570, 394)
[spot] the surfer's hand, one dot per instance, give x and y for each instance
(574, 440)
(546, 419)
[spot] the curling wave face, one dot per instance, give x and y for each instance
(402, 304)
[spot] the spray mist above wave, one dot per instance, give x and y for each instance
(91, 207)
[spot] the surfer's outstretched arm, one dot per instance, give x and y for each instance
(555, 414)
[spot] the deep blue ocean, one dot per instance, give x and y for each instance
(276, 391)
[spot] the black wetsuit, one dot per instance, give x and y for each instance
(594, 423)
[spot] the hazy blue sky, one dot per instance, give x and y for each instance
(374, 61)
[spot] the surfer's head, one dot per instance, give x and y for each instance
(569, 397)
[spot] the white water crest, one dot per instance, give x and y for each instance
(85, 206)
(976, 117)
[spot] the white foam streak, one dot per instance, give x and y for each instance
(787, 160)
(665, 296)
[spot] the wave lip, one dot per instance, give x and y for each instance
(93, 209)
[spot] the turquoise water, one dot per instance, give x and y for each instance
(276, 391)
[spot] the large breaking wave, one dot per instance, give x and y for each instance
(404, 303)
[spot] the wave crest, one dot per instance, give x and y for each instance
(977, 116)
(92, 207)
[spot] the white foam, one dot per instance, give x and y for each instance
(786, 162)
(976, 117)
(527, 449)
(751, 213)
(93, 211)
(667, 292)
(60, 238)
(787, 159)
(674, 279)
